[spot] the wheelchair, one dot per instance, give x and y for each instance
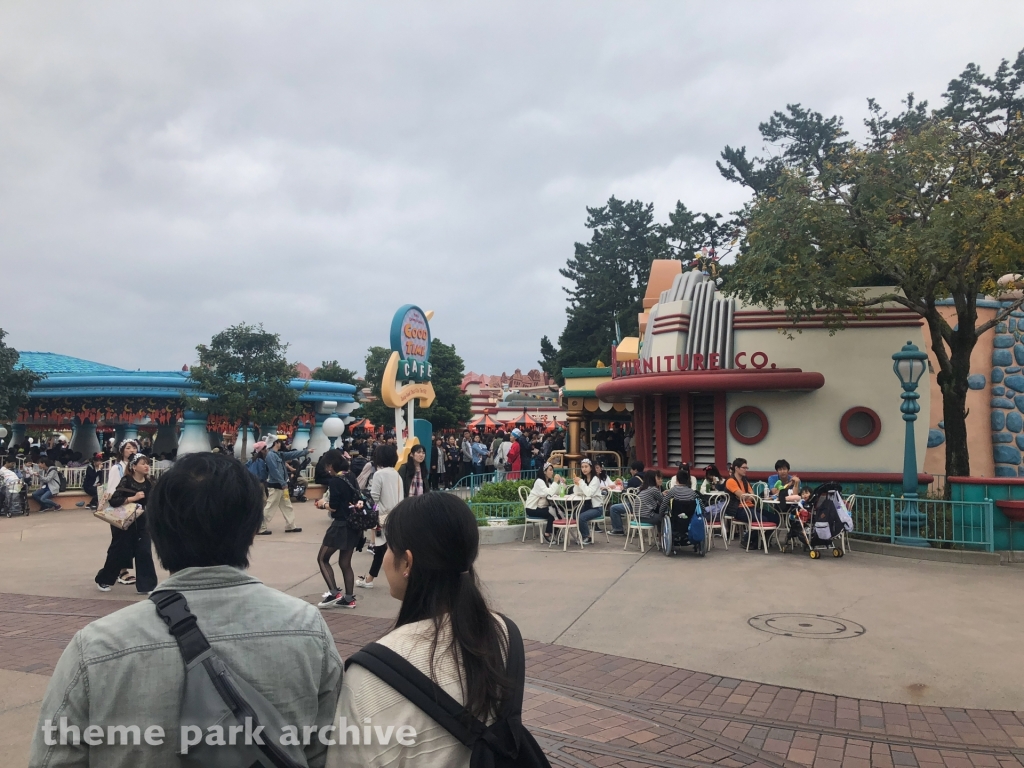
(675, 527)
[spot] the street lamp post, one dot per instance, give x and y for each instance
(909, 366)
(333, 428)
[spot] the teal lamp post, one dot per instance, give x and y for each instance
(909, 366)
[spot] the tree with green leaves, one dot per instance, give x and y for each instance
(375, 410)
(451, 404)
(15, 383)
(549, 360)
(244, 376)
(609, 274)
(609, 278)
(331, 370)
(930, 205)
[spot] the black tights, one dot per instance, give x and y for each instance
(344, 562)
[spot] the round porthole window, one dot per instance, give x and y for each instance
(748, 425)
(860, 426)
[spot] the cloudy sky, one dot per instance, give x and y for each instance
(169, 169)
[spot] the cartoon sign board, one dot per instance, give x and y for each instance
(407, 377)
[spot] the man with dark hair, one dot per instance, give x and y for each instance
(125, 670)
(782, 483)
(277, 486)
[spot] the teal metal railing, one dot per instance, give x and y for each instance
(473, 483)
(942, 524)
(509, 511)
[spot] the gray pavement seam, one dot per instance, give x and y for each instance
(596, 599)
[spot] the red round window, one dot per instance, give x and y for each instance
(748, 425)
(860, 426)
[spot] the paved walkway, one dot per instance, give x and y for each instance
(595, 709)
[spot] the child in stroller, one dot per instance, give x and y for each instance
(829, 520)
(798, 512)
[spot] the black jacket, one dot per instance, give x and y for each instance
(127, 488)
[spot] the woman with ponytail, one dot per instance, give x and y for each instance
(446, 637)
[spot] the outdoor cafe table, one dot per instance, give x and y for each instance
(567, 508)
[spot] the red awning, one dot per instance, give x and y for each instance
(730, 380)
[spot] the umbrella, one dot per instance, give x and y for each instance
(362, 424)
(484, 421)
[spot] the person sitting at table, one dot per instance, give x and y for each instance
(782, 483)
(736, 485)
(547, 485)
(588, 485)
(713, 481)
(681, 490)
(602, 476)
(650, 498)
(692, 481)
(636, 471)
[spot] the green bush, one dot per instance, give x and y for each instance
(506, 490)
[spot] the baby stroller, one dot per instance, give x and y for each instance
(829, 520)
(684, 526)
(14, 499)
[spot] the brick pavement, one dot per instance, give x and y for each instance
(596, 710)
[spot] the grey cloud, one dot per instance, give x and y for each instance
(314, 165)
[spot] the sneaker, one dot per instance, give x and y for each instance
(616, 533)
(264, 533)
(364, 584)
(345, 602)
(103, 587)
(329, 599)
(291, 530)
(126, 579)
(588, 540)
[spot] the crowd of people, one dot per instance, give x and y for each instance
(655, 499)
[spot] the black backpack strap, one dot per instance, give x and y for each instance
(173, 609)
(503, 737)
(419, 689)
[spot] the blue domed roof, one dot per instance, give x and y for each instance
(50, 362)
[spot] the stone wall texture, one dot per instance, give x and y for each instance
(1008, 397)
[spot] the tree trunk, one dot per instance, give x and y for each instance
(953, 384)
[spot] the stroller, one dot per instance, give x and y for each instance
(829, 521)
(14, 499)
(685, 525)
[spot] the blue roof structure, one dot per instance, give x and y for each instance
(51, 362)
(72, 377)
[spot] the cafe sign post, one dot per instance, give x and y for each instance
(407, 378)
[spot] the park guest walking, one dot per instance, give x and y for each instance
(387, 489)
(134, 542)
(342, 494)
(277, 481)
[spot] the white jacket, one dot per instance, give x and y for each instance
(540, 493)
(386, 490)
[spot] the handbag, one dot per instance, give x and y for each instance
(120, 517)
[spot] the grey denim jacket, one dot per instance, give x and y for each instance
(125, 669)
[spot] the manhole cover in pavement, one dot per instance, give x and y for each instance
(807, 625)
